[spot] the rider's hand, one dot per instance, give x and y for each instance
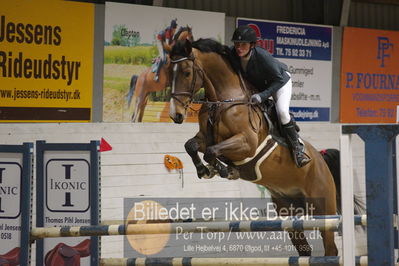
(255, 99)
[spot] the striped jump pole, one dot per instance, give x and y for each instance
(188, 261)
(194, 227)
(358, 219)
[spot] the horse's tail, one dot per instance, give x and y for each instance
(130, 94)
(332, 158)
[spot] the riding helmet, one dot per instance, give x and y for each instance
(244, 33)
(173, 23)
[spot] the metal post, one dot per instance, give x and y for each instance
(348, 229)
(379, 141)
(345, 13)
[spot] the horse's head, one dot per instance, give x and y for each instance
(186, 81)
(184, 33)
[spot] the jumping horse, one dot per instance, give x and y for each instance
(233, 134)
(142, 85)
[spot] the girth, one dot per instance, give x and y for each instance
(248, 168)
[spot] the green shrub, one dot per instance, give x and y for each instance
(136, 55)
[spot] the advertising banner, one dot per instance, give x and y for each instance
(307, 51)
(216, 228)
(133, 34)
(369, 76)
(46, 61)
(67, 195)
(15, 203)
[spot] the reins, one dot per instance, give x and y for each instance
(190, 94)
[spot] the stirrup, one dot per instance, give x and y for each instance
(305, 159)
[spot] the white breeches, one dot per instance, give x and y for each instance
(282, 98)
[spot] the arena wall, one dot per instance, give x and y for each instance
(135, 166)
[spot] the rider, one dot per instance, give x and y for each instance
(164, 40)
(271, 78)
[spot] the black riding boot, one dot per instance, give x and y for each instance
(297, 148)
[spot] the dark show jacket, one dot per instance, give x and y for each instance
(264, 72)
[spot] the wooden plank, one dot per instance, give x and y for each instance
(166, 148)
(131, 159)
(45, 129)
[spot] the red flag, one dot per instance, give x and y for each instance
(104, 145)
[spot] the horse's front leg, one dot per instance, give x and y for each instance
(193, 146)
(236, 148)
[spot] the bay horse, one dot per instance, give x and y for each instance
(142, 85)
(234, 134)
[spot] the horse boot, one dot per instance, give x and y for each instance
(297, 148)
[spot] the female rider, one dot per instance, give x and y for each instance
(271, 78)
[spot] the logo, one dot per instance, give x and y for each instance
(384, 46)
(10, 189)
(146, 212)
(267, 44)
(68, 185)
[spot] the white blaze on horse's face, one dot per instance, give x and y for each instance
(181, 89)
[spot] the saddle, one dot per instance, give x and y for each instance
(65, 255)
(11, 258)
(249, 167)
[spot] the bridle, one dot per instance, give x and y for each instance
(190, 93)
(197, 68)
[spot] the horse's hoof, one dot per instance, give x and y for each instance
(209, 155)
(224, 173)
(233, 174)
(207, 176)
(211, 172)
(203, 172)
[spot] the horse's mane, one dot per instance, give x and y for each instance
(204, 45)
(211, 45)
(181, 29)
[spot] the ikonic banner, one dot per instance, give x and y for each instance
(132, 34)
(306, 49)
(369, 76)
(46, 54)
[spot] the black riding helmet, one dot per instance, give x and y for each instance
(244, 33)
(173, 23)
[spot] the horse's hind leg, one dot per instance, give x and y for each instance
(136, 110)
(142, 108)
(298, 238)
(321, 207)
(138, 94)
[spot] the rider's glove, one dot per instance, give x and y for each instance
(255, 99)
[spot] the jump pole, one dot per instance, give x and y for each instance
(194, 227)
(188, 261)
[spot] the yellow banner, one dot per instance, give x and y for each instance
(46, 60)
